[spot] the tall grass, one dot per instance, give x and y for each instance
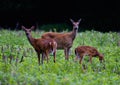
(14, 45)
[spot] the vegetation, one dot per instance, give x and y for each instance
(14, 45)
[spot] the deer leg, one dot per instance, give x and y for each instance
(67, 54)
(38, 57)
(76, 58)
(54, 55)
(44, 57)
(46, 53)
(90, 60)
(80, 59)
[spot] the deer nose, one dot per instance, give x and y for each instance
(76, 28)
(27, 33)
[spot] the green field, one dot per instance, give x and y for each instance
(14, 45)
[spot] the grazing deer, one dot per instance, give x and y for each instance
(82, 51)
(64, 40)
(41, 46)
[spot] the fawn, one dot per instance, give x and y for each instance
(90, 51)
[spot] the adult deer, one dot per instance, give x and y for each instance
(41, 46)
(64, 40)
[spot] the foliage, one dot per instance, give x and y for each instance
(15, 44)
(55, 27)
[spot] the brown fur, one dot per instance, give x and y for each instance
(43, 46)
(82, 51)
(64, 40)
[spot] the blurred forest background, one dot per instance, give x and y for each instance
(97, 15)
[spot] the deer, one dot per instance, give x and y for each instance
(41, 46)
(64, 40)
(82, 51)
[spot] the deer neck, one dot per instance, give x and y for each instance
(31, 39)
(74, 33)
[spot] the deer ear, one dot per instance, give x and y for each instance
(71, 20)
(79, 20)
(23, 27)
(32, 27)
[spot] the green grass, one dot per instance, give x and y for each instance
(15, 44)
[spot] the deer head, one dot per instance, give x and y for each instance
(75, 24)
(28, 30)
(101, 58)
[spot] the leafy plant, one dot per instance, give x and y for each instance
(62, 72)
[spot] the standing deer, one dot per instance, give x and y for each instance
(82, 51)
(64, 40)
(41, 46)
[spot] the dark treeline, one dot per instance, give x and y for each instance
(100, 15)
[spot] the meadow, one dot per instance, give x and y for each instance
(14, 45)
